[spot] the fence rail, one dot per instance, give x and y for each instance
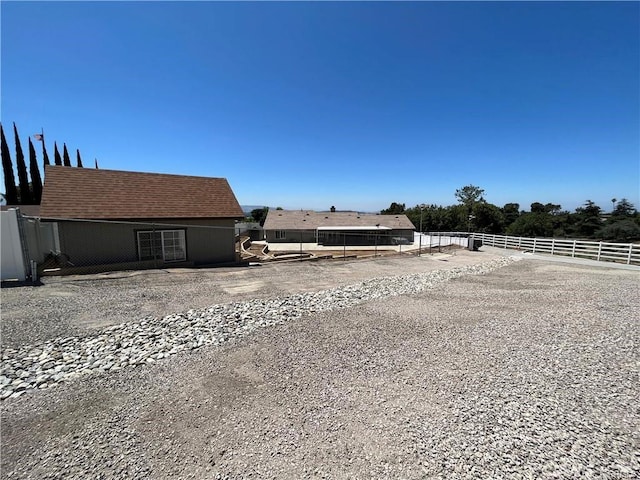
(628, 253)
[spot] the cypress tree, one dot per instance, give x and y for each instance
(36, 180)
(78, 158)
(65, 156)
(56, 154)
(11, 193)
(23, 178)
(45, 157)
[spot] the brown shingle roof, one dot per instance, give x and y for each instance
(306, 219)
(71, 192)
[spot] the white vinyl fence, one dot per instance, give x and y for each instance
(13, 265)
(628, 253)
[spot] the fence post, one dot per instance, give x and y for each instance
(344, 246)
(599, 251)
(534, 245)
(153, 245)
(629, 256)
(553, 245)
(573, 249)
(519, 243)
(24, 247)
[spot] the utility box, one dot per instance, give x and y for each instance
(474, 244)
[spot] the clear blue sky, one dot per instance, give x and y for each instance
(357, 105)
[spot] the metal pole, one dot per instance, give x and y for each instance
(153, 245)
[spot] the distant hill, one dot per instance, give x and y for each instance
(248, 208)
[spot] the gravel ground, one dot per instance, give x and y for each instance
(526, 371)
(78, 305)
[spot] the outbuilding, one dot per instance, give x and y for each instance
(118, 219)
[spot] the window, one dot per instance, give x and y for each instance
(167, 245)
(281, 234)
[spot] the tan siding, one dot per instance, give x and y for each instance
(103, 243)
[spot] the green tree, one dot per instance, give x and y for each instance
(394, 209)
(563, 223)
(36, 180)
(437, 218)
(469, 196)
(537, 207)
(588, 219)
(45, 155)
(552, 208)
(434, 218)
(623, 230)
(11, 192)
(23, 178)
(534, 224)
(78, 159)
(624, 208)
(259, 215)
(488, 218)
(456, 218)
(510, 212)
(65, 156)
(56, 155)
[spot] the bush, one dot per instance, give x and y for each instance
(620, 231)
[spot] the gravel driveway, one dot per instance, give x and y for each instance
(80, 304)
(525, 371)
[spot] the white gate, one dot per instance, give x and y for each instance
(13, 265)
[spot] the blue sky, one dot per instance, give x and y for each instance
(357, 105)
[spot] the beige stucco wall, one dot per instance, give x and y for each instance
(291, 236)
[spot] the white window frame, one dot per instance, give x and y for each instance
(281, 234)
(173, 245)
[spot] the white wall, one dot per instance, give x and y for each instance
(12, 265)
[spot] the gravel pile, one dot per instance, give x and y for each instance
(151, 339)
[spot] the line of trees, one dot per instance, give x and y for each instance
(474, 213)
(29, 188)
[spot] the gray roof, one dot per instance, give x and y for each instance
(310, 220)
